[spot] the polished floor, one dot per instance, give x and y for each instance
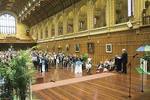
(58, 74)
(112, 87)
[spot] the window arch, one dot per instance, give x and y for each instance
(46, 32)
(83, 18)
(53, 30)
(7, 24)
(60, 25)
(99, 11)
(121, 11)
(70, 22)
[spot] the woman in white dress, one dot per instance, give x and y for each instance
(57, 62)
(43, 64)
(78, 67)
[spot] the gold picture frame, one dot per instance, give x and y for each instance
(109, 48)
(90, 47)
(77, 47)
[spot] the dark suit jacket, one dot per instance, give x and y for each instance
(124, 58)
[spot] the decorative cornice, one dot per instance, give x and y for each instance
(96, 31)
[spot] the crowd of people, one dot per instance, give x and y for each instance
(43, 60)
(108, 65)
(118, 63)
(6, 56)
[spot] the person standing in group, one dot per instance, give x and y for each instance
(34, 59)
(78, 68)
(57, 62)
(40, 62)
(124, 60)
(43, 63)
(89, 65)
(46, 62)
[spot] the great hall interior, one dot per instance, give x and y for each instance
(78, 49)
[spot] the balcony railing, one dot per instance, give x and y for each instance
(146, 20)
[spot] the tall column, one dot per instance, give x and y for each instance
(75, 20)
(39, 33)
(56, 25)
(64, 23)
(43, 31)
(112, 13)
(36, 33)
(49, 29)
(90, 14)
(138, 11)
(108, 13)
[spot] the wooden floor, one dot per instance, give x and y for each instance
(113, 87)
(58, 74)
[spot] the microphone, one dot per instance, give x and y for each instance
(135, 55)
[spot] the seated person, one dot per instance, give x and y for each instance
(111, 65)
(100, 67)
(88, 67)
(105, 70)
(106, 64)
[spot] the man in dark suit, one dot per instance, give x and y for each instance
(46, 62)
(118, 63)
(124, 59)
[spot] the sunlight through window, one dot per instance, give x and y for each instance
(7, 24)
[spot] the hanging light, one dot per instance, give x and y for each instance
(25, 8)
(29, 4)
(22, 12)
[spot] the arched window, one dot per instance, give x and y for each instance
(53, 30)
(7, 24)
(83, 18)
(46, 32)
(60, 26)
(121, 7)
(99, 11)
(70, 22)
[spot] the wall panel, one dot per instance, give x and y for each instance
(129, 40)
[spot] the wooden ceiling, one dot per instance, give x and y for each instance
(12, 5)
(42, 10)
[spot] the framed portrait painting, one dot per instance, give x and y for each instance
(67, 47)
(77, 47)
(90, 47)
(108, 48)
